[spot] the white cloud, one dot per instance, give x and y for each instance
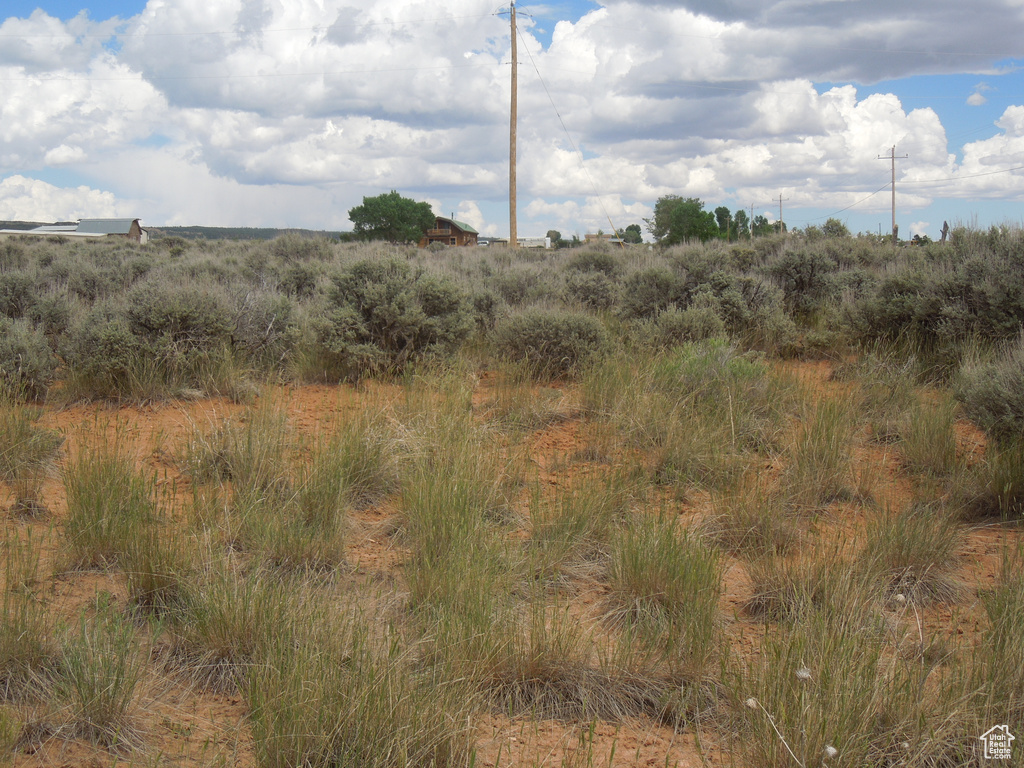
(265, 111)
(24, 199)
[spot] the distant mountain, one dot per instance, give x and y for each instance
(205, 233)
(237, 233)
(20, 224)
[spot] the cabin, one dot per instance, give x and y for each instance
(450, 232)
(130, 229)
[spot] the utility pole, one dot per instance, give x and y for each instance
(751, 221)
(780, 212)
(892, 156)
(513, 234)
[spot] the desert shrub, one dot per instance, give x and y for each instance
(516, 286)
(299, 280)
(992, 394)
(27, 365)
(647, 292)
(383, 316)
(293, 247)
(17, 293)
(12, 256)
(552, 343)
(603, 262)
(178, 322)
(699, 321)
(805, 276)
(939, 301)
(51, 313)
(594, 290)
(102, 354)
(487, 307)
(263, 327)
(91, 282)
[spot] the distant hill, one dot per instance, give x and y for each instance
(20, 224)
(238, 233)
(206, 233)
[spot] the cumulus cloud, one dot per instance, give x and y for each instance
(24, 199)
(260, 111)
(977, 97)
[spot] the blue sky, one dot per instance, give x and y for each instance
(288, 112)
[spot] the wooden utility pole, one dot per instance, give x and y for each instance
(513, 234)
(751, 225)
(892, 156)
(780, 212)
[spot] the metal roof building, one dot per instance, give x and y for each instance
(88, 228)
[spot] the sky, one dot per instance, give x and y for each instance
(287, 113)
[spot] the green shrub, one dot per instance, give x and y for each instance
(595, 261)
(27, 365)
(698, 322)
(594, 290)
(993, 394)
(51, 313)
(383, 317)
(178, 321)
(12, 256)
(102, 354)
(17, 294)
(552, 343)
(516, 286)
(805, 277)
(293, 247)
(647, 292)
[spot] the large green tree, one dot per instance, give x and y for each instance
(632, 234)
(678, 219)
(723, 218)
(391, 217)
(741, 222)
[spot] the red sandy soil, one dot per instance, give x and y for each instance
(187, 727)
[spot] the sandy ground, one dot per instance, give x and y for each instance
(186, 727)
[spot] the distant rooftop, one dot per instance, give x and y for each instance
(105, 226)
